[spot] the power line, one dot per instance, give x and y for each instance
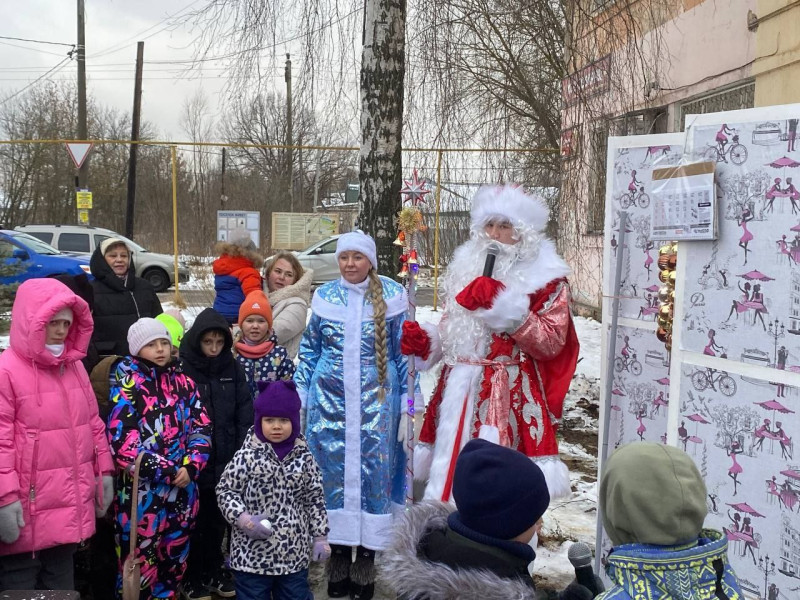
(37, 80)
(122, 45)
(5, 37)
(31, 49)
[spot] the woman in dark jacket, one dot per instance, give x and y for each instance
(205, 352)
(120, 298)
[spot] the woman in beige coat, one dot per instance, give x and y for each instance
(289, 292)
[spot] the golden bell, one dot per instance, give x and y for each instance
(665, 311)
(665, 324)
(412, 260)
(675, 247)
(663, 276)
(403, 272)
(672, 276)
(672, 260)
(665, 249)
(664, 294)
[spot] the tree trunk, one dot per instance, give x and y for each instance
(380, 158)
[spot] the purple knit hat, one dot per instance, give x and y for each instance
(278, 399)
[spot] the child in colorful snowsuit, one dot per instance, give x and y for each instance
(236, 274)
(256, 347)
(55, 466)
(654, 505)
(156, 411)
(271, 492)
(225, 392)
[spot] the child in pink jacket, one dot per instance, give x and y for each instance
(55, 465)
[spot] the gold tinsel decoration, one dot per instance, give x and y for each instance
(409, 220)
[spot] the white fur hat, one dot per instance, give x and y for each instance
(510, 202)
(358, 241)
(144, 331)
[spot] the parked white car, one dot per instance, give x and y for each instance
(321, 257)
(156, 268)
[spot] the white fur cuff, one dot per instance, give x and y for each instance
(508, 311)
(423, 457)
(435, 354)
(556, 474)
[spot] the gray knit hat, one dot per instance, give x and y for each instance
(144, 331)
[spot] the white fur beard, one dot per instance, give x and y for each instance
(466, 335)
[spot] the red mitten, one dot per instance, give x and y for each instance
(480, 293)
(414, 341)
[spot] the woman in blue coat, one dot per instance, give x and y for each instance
(352, 380)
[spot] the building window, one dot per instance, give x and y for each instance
(635, 123)
(597, 178)
(741, 96)
(641, 123)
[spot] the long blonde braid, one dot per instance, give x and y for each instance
(379, 317)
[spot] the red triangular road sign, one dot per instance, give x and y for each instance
(78, 151)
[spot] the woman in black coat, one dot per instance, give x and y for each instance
(225, 392)
(120, 298)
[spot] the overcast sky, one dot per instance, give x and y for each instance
(112, 29)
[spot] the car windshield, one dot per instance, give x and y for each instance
(131, 243)
(35, 244)
(315, 244)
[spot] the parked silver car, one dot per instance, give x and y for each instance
(319, 256)
(156, 268)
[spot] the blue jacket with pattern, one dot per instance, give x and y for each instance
(695, 571)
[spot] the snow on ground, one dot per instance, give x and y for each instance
(567, 520)
(574, 518)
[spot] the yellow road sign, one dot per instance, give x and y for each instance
(84, 199)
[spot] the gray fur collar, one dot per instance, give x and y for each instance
(409, 575)
(300, 289)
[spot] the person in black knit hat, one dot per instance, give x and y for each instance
(482, 549)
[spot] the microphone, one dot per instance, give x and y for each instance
(580, 555)
(492, 250)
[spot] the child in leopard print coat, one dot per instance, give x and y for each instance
(271, 492)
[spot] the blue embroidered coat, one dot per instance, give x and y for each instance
(349, 430)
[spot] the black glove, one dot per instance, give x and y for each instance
(575, 591)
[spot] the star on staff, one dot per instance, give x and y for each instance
(414, 190)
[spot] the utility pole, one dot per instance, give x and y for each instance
(316, 180)
(289, 136)
(222, 197)
(83, 134)
(136, 120)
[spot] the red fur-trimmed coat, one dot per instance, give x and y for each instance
(543, 351)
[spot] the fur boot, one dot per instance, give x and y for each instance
(363, 575)
(339, 571)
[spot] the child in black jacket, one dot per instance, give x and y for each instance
(225, 392)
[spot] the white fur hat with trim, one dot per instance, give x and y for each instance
(358, 241)
(510, 202)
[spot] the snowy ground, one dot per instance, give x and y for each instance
(567, 520)
(575, 518)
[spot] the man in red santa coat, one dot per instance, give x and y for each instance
(508, 343)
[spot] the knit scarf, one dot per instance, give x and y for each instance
(255, 351)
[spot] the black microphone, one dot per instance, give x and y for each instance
(580, 555)
(492, 250)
